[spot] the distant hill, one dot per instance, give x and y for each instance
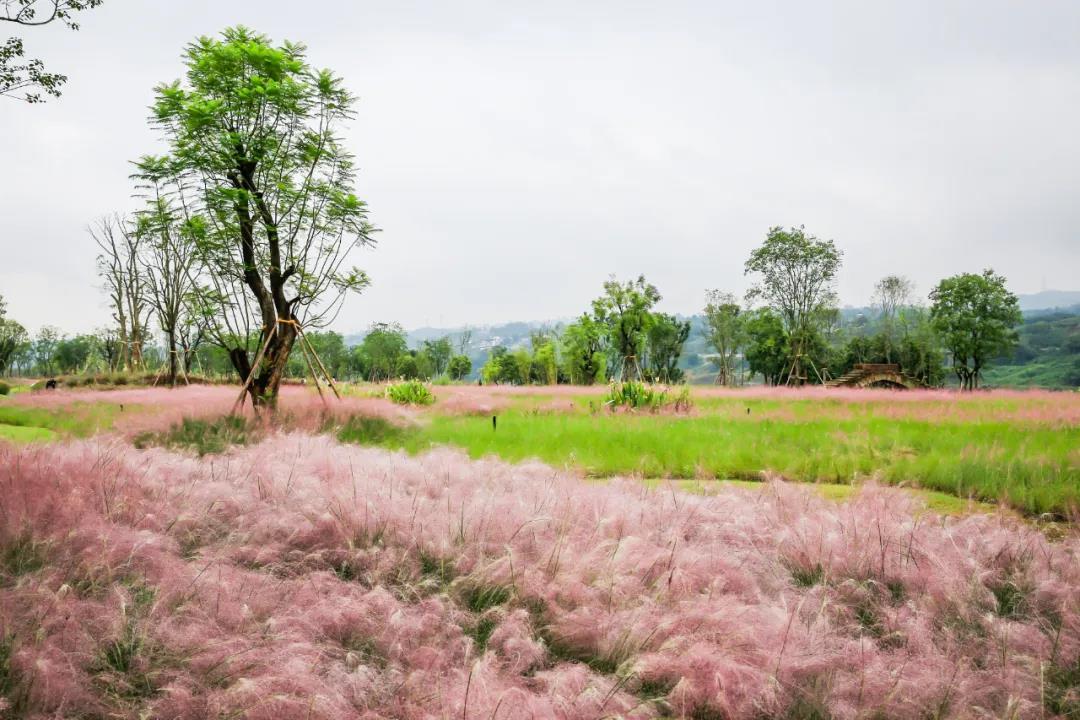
(1050, 300)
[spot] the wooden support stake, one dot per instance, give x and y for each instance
(329, 379)
(314, 376)
(254, 367)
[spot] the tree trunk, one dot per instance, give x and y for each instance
(172, 357)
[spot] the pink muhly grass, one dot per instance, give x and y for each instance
(299, 578)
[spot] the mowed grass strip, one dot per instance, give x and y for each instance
(1033, 468)
(22, 434)
(76, 420)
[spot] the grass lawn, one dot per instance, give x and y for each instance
(21, 434)
(1031, 466)
(76, 420)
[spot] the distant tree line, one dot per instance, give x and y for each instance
(788, 330)
(622, 337)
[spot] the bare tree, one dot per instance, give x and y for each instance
(167, 258)
(121, 270)
(464, 339)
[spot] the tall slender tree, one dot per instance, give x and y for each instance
(121, 270)
(891, 294)
(268, 193)
(796, 273)
(167, 257)
(724, 327)
(625, 308)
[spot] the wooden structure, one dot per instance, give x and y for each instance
(878, 375)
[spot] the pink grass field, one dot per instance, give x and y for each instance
(300, 578)
(158, 408)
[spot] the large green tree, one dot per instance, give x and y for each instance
(438, 353)
(382, 350)
(267, 188)
(796, 273)
(582, 346)
(976, 317)
(725, 325)
(625, 309)
(12, 335)
(25, 78)
(459, 367)
(666, 337)
(767, 346)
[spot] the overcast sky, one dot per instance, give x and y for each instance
(517, 153)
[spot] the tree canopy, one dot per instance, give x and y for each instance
(625, 309)
(976, 317)
(796, 272)
(267, 189)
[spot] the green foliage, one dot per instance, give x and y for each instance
(329, 347)
(1061, 697)
(78, 420)
(807, 576)
(411, 392)
(12, 335)
(74, 354)
(20, 555)
(378, 356)
(543, 365)
(725, 329)
(1027, 466)
(583, 342)
(437, 354)
(459, 367)
(408, 367)
(976, 317)
(635, 396)
(625, 310)
(666, 337)
(253, 136)
(4, 388)
(480, 598)
(364, 430)
(28, 80)
(796, 275)
(767, 349)
(205, 437)
(913, 346)
(1048, 354)
(506, 368)
(641, 396)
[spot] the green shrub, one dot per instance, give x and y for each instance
(411, 392)
(641, 396)
(4, 388)
(202, 436)
(370, 431)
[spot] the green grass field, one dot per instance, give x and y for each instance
(21, 434)
(1022, 449)
(1031, 465)
(23, 424)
